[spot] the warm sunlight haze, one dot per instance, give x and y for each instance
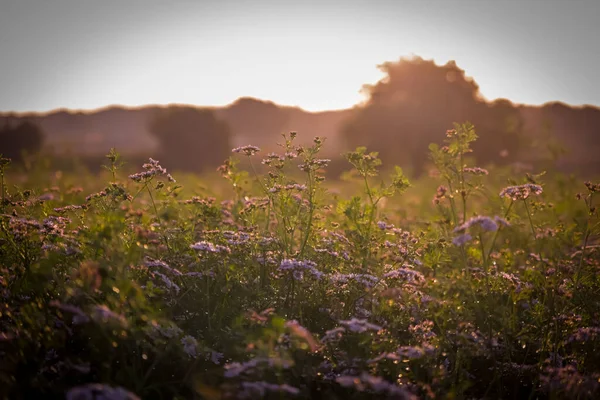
(316, 55)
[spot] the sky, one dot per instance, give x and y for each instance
(85, 54)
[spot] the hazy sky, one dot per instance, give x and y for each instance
(85, 54)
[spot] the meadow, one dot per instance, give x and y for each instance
(267, 280)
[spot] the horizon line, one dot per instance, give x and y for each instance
(126, 107)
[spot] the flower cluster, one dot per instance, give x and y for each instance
(210, 247)
(360, 325)
(299, 268)
(521, 192)
(152, 169)
(246, 150)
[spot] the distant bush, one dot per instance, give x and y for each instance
(191, 139)
(22, 138)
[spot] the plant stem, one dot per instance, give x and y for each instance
(529, 216)
(498, 230)
(310, 213)
(585, 241)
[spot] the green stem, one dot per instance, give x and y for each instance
(310, 213)
(153, 203)
(371, 219)
(529, 216)
(485, 264)
(585, 241)
(452, 203)
(2, 185)
(498, 230)
(463, 194)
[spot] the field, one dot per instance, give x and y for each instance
(273, 282)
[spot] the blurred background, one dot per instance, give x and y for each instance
(185, 82)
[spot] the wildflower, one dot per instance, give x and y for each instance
(70, 207)
(360, 325)
(366, 382)
(99, 391)
(197, 200)
(216, 357)
(274, 159)
(301, 332)
(246, 150)
(101, 313)
(295, 186)
(402, 353)
(568, 380)
(405, 273)
(423, 330)
(190, 346)
(260, 318)
(314, 164)
(168, 331)
(584, 334)
(476, 171)
(333, 335)
(441, 191)
(151, 263)
(236, 369)
(152, 168)
(79, 317)
(299, 267)
(511, 278)
(485, 223)
(254, 390)
(410, 352)
(501, 221)
(168, 282)
(592, 187)
(460, 240)
(383, 225)
(209, 247)
(521, 192)
(365, 279)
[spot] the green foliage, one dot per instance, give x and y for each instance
(21, 140)
(190, 139)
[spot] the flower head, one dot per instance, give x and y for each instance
(521, 192)
(246, 150)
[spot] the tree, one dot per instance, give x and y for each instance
(415, 103)
(20, 139)
(256, 121)
(190, 139)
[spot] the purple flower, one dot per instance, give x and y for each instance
(298, 268)
(476, 171)
(209, 247)
(190, 346)
(360, 325)
(258, 390)
(152, 263)
(462, 239)
(99, 391)
(521, 192)
(246, 150)
(152, 168)
(483, 222)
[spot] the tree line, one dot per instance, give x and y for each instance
(408, 109)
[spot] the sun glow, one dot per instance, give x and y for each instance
(314, 55)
